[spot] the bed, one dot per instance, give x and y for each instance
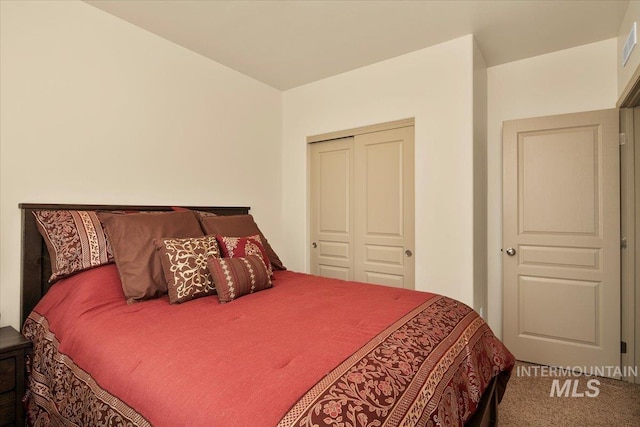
(300, 351)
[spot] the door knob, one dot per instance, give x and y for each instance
(510, 251)
(314, 245)
(408, 253)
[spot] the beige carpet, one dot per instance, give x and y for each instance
(527, 402)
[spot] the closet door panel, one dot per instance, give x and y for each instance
(331, 189)
(384, 207)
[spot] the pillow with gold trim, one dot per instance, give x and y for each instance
(235, 277)
(75, 239)
(184, 264)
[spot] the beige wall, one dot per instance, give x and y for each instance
(95, 110)
(168, 126)
(625, 72)
(479, 182)
(568, 81)
(434, 86)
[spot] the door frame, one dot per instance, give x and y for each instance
(361, 130)
(629, 211)
(627, 231)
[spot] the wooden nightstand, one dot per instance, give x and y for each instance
(13, 350)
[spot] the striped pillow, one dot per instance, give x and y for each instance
(75, 239)
(238, 247)
(235, 277)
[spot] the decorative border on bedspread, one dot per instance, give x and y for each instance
(429, 368)
(61, 393)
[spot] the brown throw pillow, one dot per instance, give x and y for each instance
(184, 263)
(239, 226)
(200, 213)
(132, 238)
(75, 239)
(235, 277)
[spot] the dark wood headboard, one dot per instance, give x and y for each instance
(36, 265)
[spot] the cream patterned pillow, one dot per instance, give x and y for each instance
(184, 263)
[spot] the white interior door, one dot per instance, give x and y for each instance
(561, 236)
(331, 204)
(384, 226)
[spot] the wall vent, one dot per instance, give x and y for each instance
(629, 44)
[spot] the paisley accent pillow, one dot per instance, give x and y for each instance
(235, 277)
(184, 264)
(75, 239)
(238, 226)
(236, 247)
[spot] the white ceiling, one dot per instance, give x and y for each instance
(290, 43)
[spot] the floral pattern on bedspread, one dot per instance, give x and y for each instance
(61, 393)
(429, 368)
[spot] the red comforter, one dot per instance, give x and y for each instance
(255, 361)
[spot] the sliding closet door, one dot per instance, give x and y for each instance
(362, 207)
(331, 187)
(384, 207)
